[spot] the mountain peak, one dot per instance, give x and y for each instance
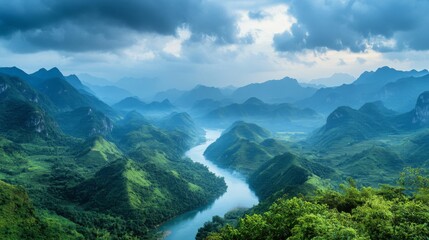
(385, 68)
(45, 74)
(376, 108)
(253, 101)
(385, 75)
(55, 70)
(166, 102)
(288, 79)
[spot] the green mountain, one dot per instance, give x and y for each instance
(54, 92)
(85, 122)
(18, 219)
(67, 98)
(144, 191)
(288, 174)
(415, 149)
(346, 126)
(23, 122)
(131, 121)
(284, 90)
(373, 165)
(239, 130)
(183, 122)
(96, 152)
(13, 88)
(244, 147)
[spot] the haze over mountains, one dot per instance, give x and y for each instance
(83, 160)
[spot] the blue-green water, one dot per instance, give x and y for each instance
(237, 195)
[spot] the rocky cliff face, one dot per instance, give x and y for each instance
(421, 111)
(85, 122)
(36, 122)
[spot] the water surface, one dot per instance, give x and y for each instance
(238, 195)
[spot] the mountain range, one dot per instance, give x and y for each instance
(244, 147)
(74, 167)
(348, 126)
(274, 91)
(73, 154)
(255, 110)
(382, 84)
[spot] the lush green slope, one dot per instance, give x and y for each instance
(346, 126)
(149, 140)
(288, 174)
(183, 123)
(24, 122)
(17, 215)
(149, 191)
(13, 88)
(85, 122)
(374, 165)
(244, 147)
(415, 149)
(97, 152)
(92, 188)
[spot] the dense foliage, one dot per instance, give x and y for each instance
(353, 213)
(105, 184)
(244, 147)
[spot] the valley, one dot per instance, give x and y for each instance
(214, 120)
(76, 167)
(237, 196)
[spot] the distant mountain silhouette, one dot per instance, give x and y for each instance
(346, 126)
(255, 110)
(284, 90)
(336, 79)
(135, 104)
(368, 87)
(198, 93)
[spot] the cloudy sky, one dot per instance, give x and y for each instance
(214, 42)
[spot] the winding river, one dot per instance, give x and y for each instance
(237, 195)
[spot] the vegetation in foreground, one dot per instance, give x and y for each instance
(353, 213)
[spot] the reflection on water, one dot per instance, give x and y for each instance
(238, 195)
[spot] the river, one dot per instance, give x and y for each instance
(238, 195)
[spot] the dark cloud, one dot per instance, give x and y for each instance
(356, 25)
(81, 25)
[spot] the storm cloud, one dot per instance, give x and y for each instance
(80, 25)
(356, 25)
